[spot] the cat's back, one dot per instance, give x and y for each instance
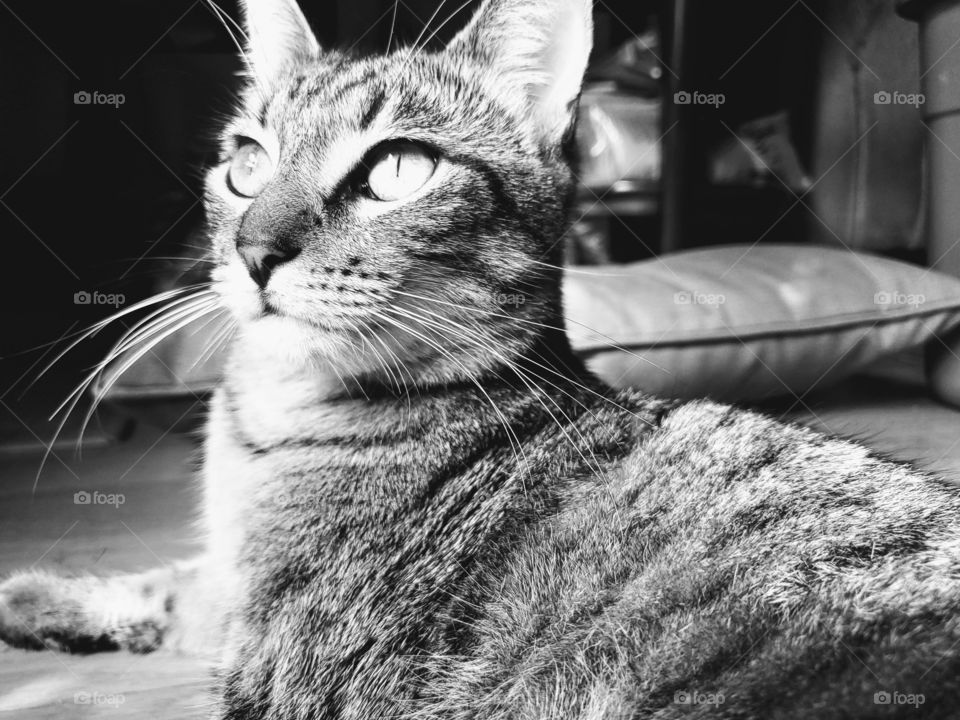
(727, 565)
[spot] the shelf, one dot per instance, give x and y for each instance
(625, 198)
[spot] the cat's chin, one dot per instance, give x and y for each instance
(295, 342)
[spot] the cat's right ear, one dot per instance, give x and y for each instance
(538, 50)
(278, 35)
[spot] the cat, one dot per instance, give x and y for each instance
(420, 504)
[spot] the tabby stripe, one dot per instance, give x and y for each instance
(376, 105)
(338, 92)
(297, 85)
(359, 442)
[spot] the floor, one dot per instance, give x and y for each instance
(151, 522)
(43, 527)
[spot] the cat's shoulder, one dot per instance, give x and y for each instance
(704, 439)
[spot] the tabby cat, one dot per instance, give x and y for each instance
(418, 502)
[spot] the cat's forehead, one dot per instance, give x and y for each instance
(338, 93)
(326, 115)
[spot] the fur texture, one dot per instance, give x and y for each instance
(419, 503)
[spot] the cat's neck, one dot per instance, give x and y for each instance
(275, 396)
(352, 499)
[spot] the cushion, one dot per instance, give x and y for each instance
(733, 323)
(740, 322)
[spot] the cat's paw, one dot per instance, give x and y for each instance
(87, 614)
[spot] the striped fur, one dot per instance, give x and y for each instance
(420, 505)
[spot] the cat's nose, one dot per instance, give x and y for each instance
(261, 259)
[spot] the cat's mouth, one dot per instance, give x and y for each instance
(268, 307)
(272, 309)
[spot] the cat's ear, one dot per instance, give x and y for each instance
(540, 48)
(278, 34)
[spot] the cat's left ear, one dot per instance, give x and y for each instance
(278, 35)
(539, 48)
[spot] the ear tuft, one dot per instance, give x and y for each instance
(541, 49)
(278, 35)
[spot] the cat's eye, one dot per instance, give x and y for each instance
(250, 169)
(398, 170)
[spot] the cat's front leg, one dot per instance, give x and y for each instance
(136, 612)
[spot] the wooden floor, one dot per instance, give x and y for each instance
(47, 529)
(36, 685)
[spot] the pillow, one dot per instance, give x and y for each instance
(742, 322)
(733, 323)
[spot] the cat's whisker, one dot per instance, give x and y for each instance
(535, 391)
(397, 361)
(168, 258)
(70, 403)
(545, 367)
(511, 434)
(76, 394)
(92, 330)
(339, 374)
(440, 27)
(466, 308)
(523, 376)
(224, 17)
(393, 25)
(150, 323)
(578, 271)
(521, 371)
(218, 345)
(133, 336)
(128, 362)
(414, 49)
(380, 360)
(213, 344)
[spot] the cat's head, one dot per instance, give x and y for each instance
(407, 207)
